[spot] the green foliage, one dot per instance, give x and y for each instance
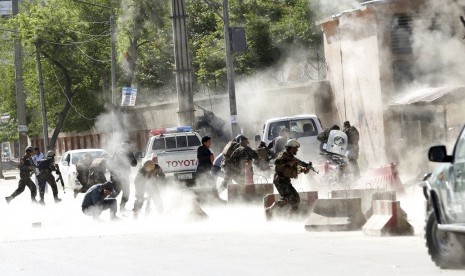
(74, 43)
(271, 28)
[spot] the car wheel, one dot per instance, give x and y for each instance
(447, 249)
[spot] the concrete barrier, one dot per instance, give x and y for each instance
(307, 202)
(384, 177)
(386, 195)
(248, 192)
(387, 219)
(365, 195)
(336, 214)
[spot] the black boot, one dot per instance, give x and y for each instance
(9, 199)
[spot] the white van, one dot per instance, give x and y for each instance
(304, 128)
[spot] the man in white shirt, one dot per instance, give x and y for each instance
(36, 156)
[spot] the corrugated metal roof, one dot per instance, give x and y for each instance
(432, 95)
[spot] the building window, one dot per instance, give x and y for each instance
(401, 32)
(403, 75)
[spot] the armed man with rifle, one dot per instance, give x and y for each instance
(287, 166)
(46, 166)
(60, 177)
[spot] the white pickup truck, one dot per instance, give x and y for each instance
(304, 128)
(175, 151)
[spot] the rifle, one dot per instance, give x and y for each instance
(308, 165)
(60, 177)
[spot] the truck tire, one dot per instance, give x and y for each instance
(447, 249)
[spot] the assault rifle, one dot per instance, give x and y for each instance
(308, 165)
(60, 177)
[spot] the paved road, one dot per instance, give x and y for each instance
(236, 240)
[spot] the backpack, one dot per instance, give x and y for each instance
(230, 148)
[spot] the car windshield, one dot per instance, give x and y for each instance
(299, 128)
(80, 155)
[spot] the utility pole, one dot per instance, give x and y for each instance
(230, 70)
(20, 95)
(184, 89)
(113, 57)
(42, 97)
(229, 62)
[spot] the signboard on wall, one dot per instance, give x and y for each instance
(129, 96)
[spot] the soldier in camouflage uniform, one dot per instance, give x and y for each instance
(97, 170)
(226, 162)
(285, 169)
(352, 147)
(239, 157)
(147, 179)
(82, 174)
(46, 166)
(265, 155)
(26, 169)
(96, 173)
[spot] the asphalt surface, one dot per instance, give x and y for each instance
(236, 240)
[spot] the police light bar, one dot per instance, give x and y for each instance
(162, 130)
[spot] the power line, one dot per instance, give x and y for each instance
(91, 58)
(69, 101)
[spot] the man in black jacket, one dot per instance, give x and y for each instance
(26, 169)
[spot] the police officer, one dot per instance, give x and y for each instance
(26, 169)
(120, 167)
(147, 180)
(240, 156)
(353, 148)
(286, 167)
(46, 166)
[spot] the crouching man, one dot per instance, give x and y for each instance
(98, 198)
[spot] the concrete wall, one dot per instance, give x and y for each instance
(351, 51)
(254, 108)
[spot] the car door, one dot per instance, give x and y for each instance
(457, 185)
(64, 166)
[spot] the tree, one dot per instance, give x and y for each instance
(145, 45)
(74, 42)
(272, 27)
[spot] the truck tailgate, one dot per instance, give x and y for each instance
(178, 161)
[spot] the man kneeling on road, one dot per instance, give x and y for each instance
(286, 167)
(97, 199)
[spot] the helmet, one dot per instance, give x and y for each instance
(50, 153)
(240, 137)
(29, 149)
(292, 143)
(149, 165)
